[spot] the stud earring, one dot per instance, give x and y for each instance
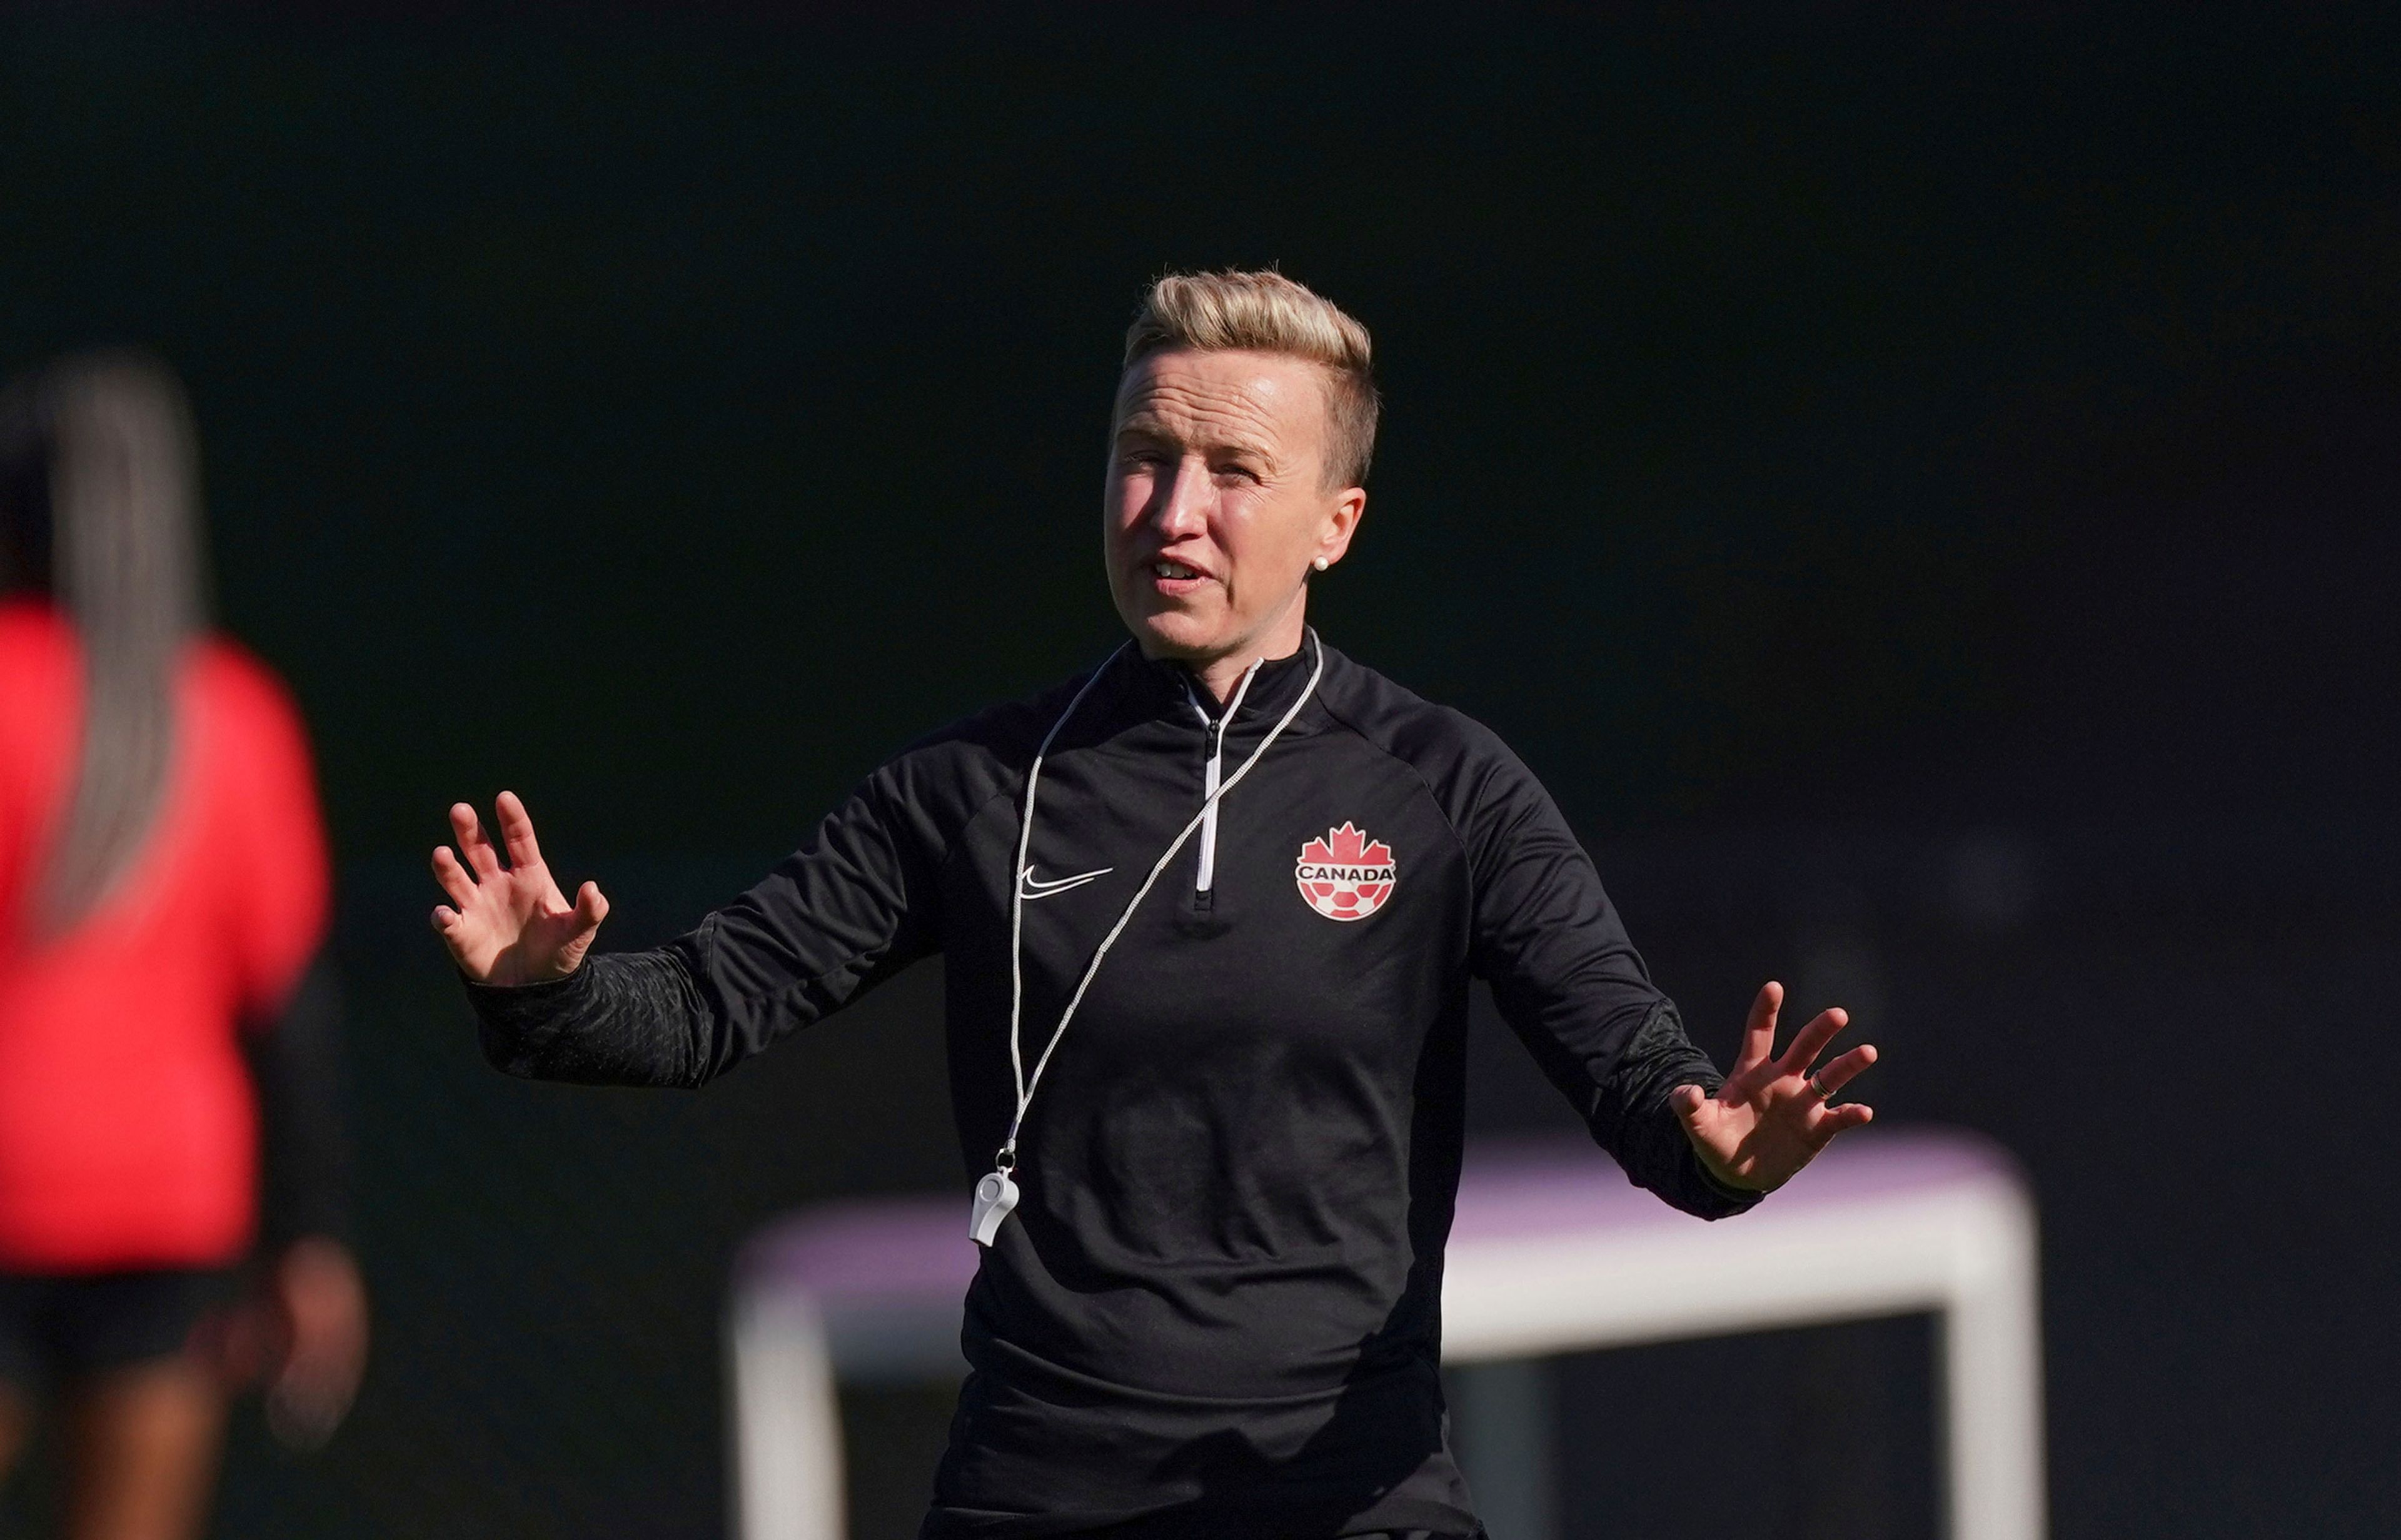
(1320, 564)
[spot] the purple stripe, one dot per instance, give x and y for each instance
(916, 1250)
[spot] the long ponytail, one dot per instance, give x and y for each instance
(100, 509)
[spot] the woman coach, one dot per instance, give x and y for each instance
(1211, 911)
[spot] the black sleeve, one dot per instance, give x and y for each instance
(1572, 986)
(854, 905)
(303, 1147)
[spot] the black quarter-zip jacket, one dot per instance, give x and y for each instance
(1216, 1308)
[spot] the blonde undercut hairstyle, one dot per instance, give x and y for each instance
(1264, 312)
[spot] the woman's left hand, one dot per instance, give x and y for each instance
(1770, 1118)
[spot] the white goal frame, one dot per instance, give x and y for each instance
(1552, 1253)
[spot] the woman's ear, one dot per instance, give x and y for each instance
(1342, 524)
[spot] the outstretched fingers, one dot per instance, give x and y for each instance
(453, 877)
(475, 845)
(516, 829)
(1811, 1040)
(1842, 1071)
(1839, 1120)
(1759, 1032)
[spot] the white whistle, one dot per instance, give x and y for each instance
(995, 1196)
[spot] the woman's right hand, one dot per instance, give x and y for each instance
(512, 925)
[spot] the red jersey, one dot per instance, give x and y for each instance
(128, 1125)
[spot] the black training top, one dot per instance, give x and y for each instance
(1216, 1309)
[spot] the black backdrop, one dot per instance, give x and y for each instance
(1920, 494)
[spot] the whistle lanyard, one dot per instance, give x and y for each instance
(996, 1193)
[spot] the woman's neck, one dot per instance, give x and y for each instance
(1280, 639)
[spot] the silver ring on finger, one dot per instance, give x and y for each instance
(1819, 1087)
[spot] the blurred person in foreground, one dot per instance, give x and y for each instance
(164, 1006)
(1209, 911)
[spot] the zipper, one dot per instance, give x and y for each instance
(1213, 769)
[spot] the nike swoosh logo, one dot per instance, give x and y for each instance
(1032, 887)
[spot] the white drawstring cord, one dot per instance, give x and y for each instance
(1025, 1086)
(1017, 899)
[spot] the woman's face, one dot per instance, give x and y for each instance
(1217, 504)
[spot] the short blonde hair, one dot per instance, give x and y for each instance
(1264, 312)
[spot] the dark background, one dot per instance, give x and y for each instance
(1920, 492)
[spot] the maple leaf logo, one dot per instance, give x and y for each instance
(1347, 846)
(1346, 876)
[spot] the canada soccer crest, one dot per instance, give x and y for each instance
(1346, 876)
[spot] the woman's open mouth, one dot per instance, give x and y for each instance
(1173, 578)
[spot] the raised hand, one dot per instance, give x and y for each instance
(1770, 1118)
(512, 925)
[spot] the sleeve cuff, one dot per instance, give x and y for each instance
(1743, 1195)
(513, 998)
(516, 1022)
(1724, 1200)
